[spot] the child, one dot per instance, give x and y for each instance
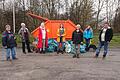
(9, 43)
(34, 45)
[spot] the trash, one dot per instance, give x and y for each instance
(82, 48)
(52, 45)
(67, 47)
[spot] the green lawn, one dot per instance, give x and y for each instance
(114, 43)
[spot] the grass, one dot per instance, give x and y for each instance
(115, 42)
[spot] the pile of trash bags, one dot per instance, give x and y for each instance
(68, 46)
(52, 45)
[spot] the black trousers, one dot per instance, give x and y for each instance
(28, 46)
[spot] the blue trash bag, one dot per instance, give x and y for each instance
(52, 45)
(82, 48)
(67, 47)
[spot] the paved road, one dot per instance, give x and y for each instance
(61, 67)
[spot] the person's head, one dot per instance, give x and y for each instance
(78, 26)
(106, 25)
(88, 26)
(8, 28)
(23, 25)
(61, 26)
(42, 24)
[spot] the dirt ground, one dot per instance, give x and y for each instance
(50, 66)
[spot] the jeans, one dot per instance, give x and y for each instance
(12, 51)
(101, 44)
(87, 42)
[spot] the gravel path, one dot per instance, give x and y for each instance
(51, 66)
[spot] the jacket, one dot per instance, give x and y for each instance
(63, 35)
(108, 34)
(88, 34)
(77, 37)
(40, 39)
(8, 40)
(24, 34)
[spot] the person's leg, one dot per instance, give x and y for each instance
(43, 41)
(75, 54)
(13, 53)
(87, 43)
(62, 48)
(99, 48)
(23, 47)
(28, 46)
(8, 54)
(58, 49)
(105, 49)
(78, 50)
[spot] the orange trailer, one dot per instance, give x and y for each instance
(53, 25)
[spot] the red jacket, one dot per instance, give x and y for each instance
(40, 39)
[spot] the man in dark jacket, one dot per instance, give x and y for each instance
(105, 37)
(24, 33)
(77, 38)
(9, 43)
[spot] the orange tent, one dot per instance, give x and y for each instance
(53, 25)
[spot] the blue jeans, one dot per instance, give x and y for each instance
(101, 44)
(12, 51)
(87, 42)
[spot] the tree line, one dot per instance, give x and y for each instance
(84, 12)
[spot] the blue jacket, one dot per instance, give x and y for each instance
(88, 33)
(8, 39)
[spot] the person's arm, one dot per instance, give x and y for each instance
(72, 36)
(4, 40)
(28, 31)
(58, 33)
(111, 35)
(82, 36)
(19, 32)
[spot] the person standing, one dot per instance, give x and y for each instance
(24, 33)
(61, 38)
(105, 37)
(9, 43)
(77, 38)
(42, 38)
(88, 35)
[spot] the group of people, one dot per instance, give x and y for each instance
(78, 37)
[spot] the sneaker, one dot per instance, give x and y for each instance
(74, 56)
(24, 52)
(104, 56)
(95, 56)
(15, 58)
(43, 52)
(8, 59)
(30, 52)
